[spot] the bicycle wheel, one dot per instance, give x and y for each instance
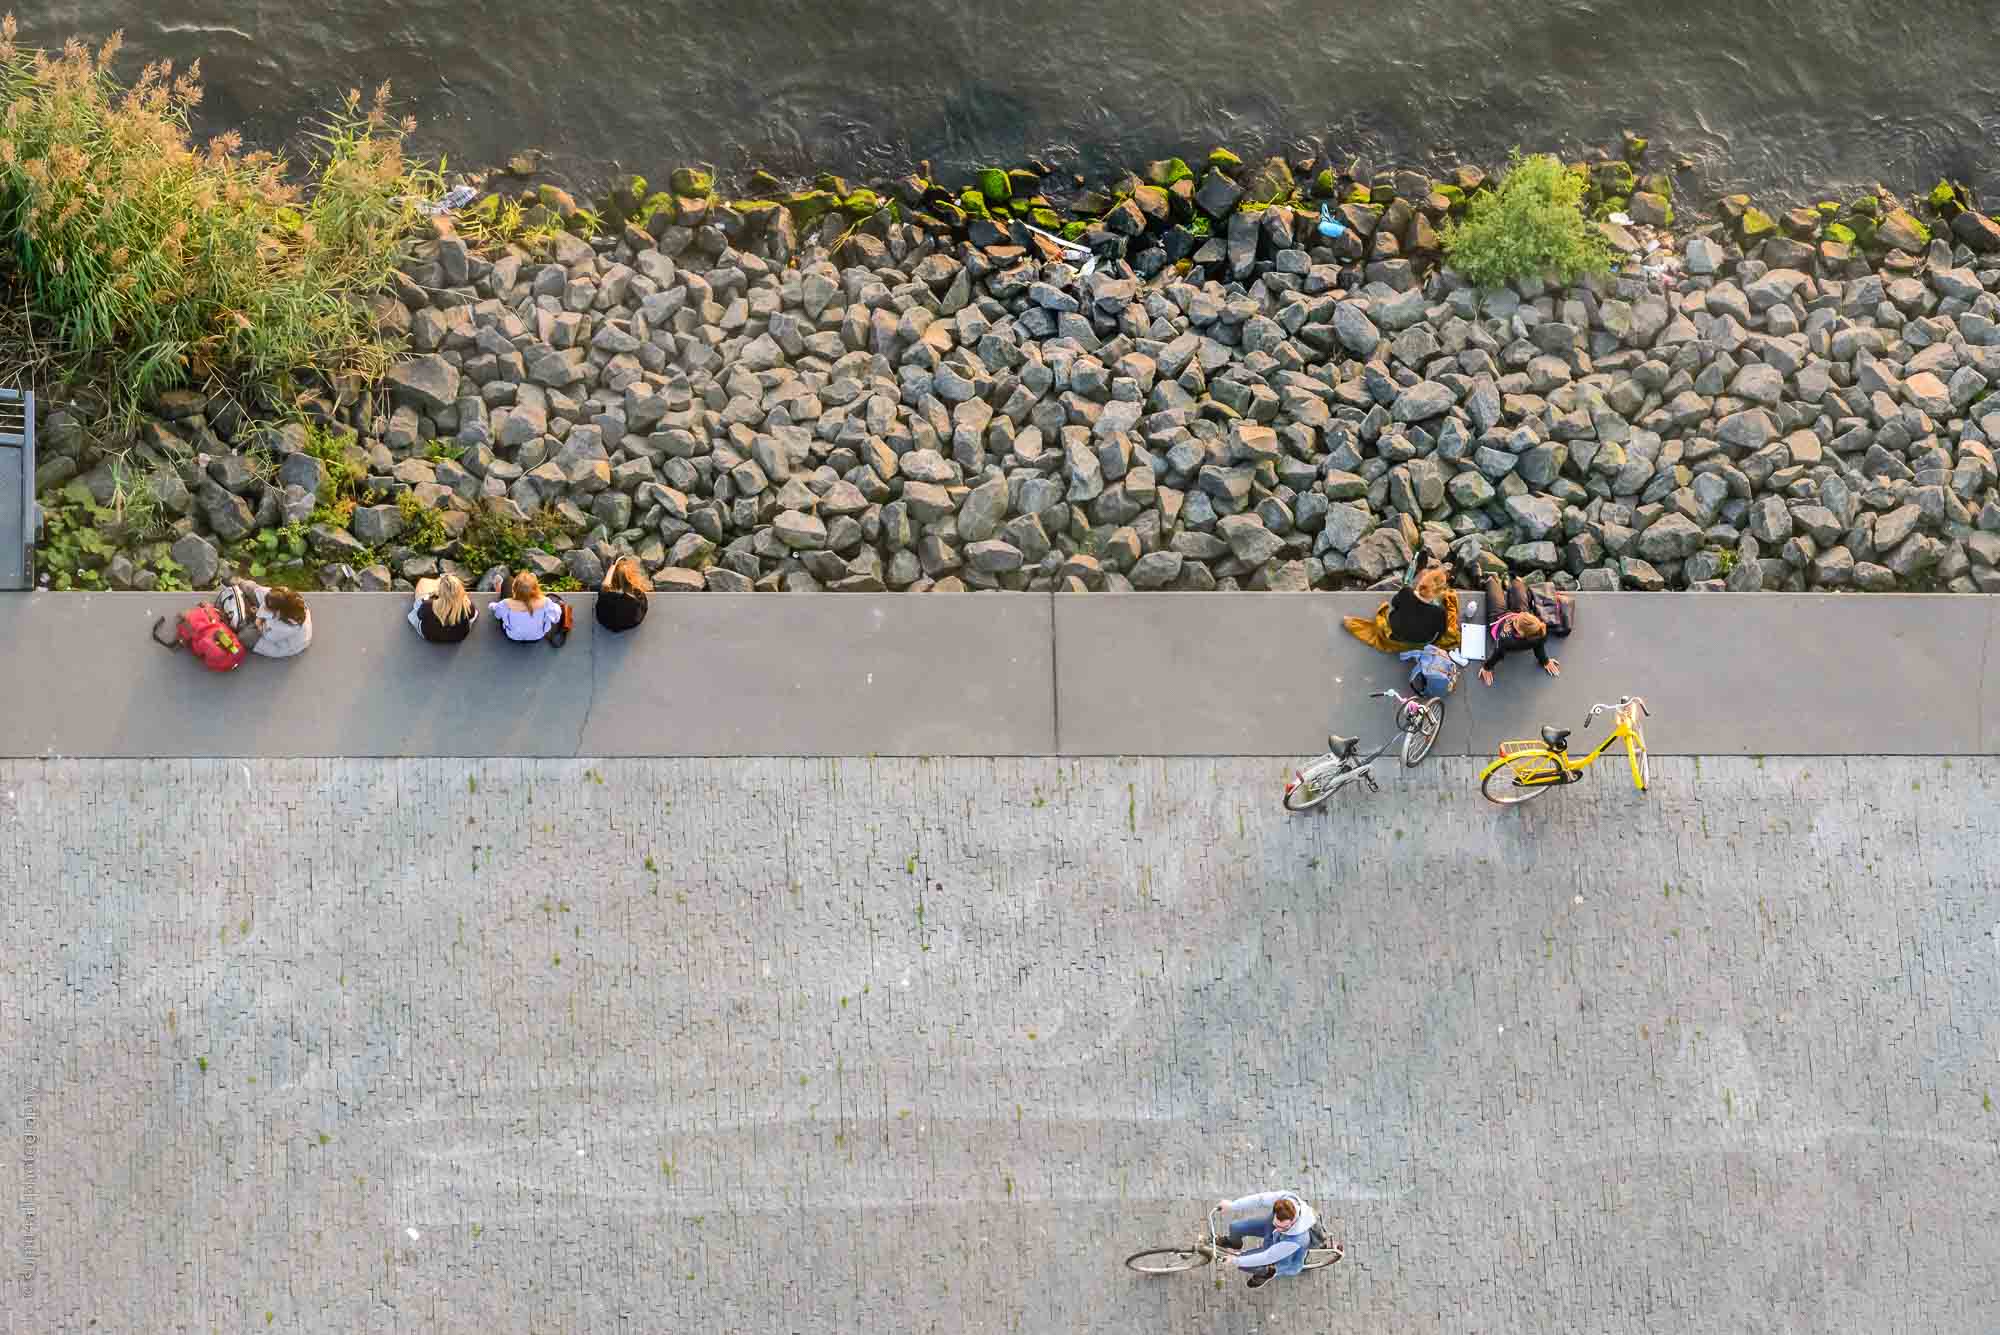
(1167, 1260)
(1312, 786)
(1325, 1256)
(1418, 740)
(1521, 777)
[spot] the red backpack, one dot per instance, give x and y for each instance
(203, 631)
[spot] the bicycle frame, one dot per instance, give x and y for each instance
(1625, 728)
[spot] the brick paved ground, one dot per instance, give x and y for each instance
(825, 1046)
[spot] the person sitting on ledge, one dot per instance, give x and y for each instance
(1513, 629)
(442, 610)
(1421, 613)
(282, 627)
(527, 614)
(621, 604)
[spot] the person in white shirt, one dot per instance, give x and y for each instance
(527, 614)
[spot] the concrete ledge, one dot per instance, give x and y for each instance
(993, 674)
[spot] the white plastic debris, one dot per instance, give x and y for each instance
(1622, 219)
(414, 1235)
(455, 198)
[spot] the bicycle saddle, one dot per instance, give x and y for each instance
(1557, 738)
(1342, 746)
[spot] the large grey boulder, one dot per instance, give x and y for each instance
(198, 557)
(428, 381)
(1671, 537)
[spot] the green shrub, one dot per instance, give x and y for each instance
(496, 539)
(1531, 225)
(153, 263)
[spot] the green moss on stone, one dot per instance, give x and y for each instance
(861, 204)
(764, 183)
(1840, 232)
(974, 204)
(1866, 207)
(1045, 218)
(1358, 194)
(1614, 178)
(1755, 223)
(993, 185)
(1325, 184)
(1021, 183)
(1272, 182)
(1223, 160)
(692, 183)
(809, 206)
(1163, 172)
(1073, 231)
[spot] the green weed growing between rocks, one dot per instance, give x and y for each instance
(1530, 226)
(149, 263)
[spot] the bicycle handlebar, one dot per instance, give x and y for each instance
(1624, 702)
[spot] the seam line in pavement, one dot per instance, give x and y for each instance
(1055, 683)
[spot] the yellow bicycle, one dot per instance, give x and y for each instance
(1527, 769)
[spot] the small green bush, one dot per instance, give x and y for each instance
(1532, 225)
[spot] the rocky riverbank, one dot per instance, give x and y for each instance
(921, 393)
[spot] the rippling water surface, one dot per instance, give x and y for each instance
(1764, 94)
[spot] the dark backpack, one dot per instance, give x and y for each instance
(203, 632)
(1556, 609)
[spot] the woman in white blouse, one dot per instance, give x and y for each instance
(527, 614)
(283, 625)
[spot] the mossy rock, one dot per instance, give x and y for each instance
(1023, 182)
(1733, 207)
(992, 185)
(692, 183)
(833, 184)
(1163, 172)
(1453, 195)
(1358, 194)
(656, 204)
(1635, 148)
(1325, 184)
(1755, 225)
(764, 183)
(974, 204)
(1222, 160)
(1612, 204)
(1614, 179)
(558, 202)
(948, 213)
(1902, 231)
(1948, 199)
(1866, 207)
(1272, 182)
(1657, 183)
(1840, 232)
(1383, 193)
(1861, 228)
(809, 206)
(861, 204)
(1828, 208)
(1045, 218)
(1073, 231)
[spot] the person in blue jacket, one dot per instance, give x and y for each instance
(1283, 1223)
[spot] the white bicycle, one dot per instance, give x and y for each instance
(1418, 722)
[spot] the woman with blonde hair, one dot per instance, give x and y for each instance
(527, 614)
(442, 610)
(1423, 612)
(621, 604)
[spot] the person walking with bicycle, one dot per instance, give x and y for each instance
(1286, 1226)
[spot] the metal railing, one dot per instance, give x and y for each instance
(19, 515)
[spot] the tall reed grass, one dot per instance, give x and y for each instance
(151, 263)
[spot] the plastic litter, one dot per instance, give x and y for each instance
(1622, 219)
(455, 198)
(1329, 226)
(1070, 249)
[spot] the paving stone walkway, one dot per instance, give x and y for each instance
(928, 1046)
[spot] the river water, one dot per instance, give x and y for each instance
(1771, 95)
